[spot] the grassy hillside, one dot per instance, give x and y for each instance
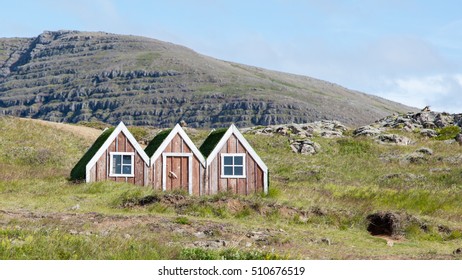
(71, 76)
(317, 206)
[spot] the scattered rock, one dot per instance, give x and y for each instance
(367, 130)
(430, 133)
(424, 150)
(394, 139)
(75, 207)
(440, 170)
(212, 244)
(324, 128)
(331, 134)
(414, 158)
(326, 241)
(305, 147)
(457, 251)
(449, 141)
(408, 177)
(459, 138)
(199, 234)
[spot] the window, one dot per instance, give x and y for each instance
(121, 165)
(233, 165)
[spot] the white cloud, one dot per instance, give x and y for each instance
(442, 92)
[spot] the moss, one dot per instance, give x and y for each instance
(156, 142)
(211, 141)
(78, 172)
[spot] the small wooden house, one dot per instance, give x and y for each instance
(232, 165)
(225, 162)
(115, 156)
(175, 162)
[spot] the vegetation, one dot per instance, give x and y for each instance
(95, 77)
(448, 132)
(316, 208)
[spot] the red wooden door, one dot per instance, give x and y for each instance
(177, 173)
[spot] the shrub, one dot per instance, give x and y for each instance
(182, 221)
(448, 132)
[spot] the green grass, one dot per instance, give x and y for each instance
(311, 198)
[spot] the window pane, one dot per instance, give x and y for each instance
(228, 160)
(127, 159)
(127, 169)
(117, 164)
(238, 160)
(238, 171)
(228, 170)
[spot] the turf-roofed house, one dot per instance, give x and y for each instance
(232, 165)
(176, 163)
(115, 156)
(225, 162)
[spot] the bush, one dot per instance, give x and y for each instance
(448, 132)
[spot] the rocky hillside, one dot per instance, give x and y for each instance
(71, 76)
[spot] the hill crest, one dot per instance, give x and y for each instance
(72, 76)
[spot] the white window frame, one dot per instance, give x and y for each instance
(111, 165)
(223, 155)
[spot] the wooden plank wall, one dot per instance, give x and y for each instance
(253, 183)
(100, 172)
(177, 145)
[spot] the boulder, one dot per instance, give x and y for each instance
(414, 158)
(425, 151)
(430, 133)
(394, 139)
(367, 131)
(443, 120)
(330, 134)
(305, 147)
(459, 138)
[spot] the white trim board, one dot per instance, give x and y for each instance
(177, 130)
(164, 169)
(132, 164)
(120, 128)
(233, 130)
(243, 165)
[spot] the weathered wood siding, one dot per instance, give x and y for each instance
(252, 183)
(180, 166)
(100, 171)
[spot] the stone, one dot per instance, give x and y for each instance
(443, 120)
(305, 147)
(75, 207)
(414, 158)
(331, 134)
(430, 133)
(326, 241)
(367, 131)
(425, 151)
(394, 139)
(457, 251)
(459, 138)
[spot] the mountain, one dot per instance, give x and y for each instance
(72, 76)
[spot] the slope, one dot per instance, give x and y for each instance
(71, 76)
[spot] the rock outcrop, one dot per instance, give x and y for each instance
(71, 76)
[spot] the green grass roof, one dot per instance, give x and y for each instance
(211, 141)
(79, 170)
(156, 142)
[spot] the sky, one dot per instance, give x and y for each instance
(409, 51)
